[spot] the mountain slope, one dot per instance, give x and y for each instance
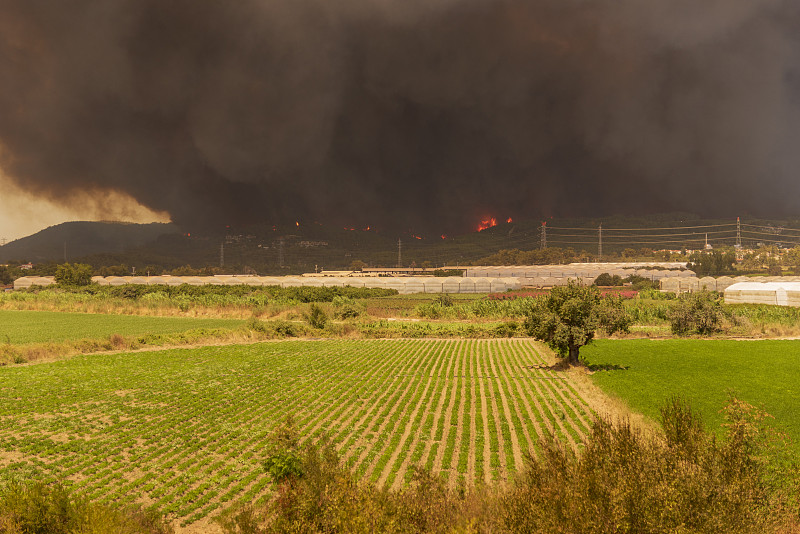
(83, 238)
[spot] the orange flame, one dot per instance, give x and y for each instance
(297, 223)
(487, 223)
(444, 236)
(509, 220)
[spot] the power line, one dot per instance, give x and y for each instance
(649, 229)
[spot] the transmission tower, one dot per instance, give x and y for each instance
(544, 234)
(600, 243)
(738, 233)
(280, 252)
(399, 253)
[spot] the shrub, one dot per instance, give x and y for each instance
(285, 328)
(506, 329)
(444, 299)
(640, 283)
(39, 508)
(606, 279)
(346, 308)
(700, 312)
(316, 317)
(448, 272)
(283, 461)
(680, 480)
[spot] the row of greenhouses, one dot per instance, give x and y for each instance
(686, 284)
(403, 284)
(782, 293)
(584, 271)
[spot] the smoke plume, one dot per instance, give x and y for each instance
(404, 114)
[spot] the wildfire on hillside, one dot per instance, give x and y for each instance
(487, 223)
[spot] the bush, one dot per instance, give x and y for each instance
(700, 312)
(444, 299)
(346, 308)
(286, 329)
(283, 463)
(606, 279)
(506, 329)
(316, 317)
(640, 283)
(680, 480)
(38, 508)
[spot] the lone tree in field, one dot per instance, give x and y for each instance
(568, 317)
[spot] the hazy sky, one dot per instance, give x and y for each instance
(22, 214)
(398, 114)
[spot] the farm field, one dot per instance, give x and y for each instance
(19, 326)
(184, 430)
(765, 373)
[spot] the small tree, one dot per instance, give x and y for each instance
(5, 275)
(700, 312)
(568, 317)
(715, 263)
(73, 274)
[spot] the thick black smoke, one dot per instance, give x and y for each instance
(405, 113)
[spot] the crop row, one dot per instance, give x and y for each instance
(185, 430)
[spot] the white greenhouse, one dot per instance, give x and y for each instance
(778, 293)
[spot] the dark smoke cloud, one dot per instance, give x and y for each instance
(405, 113)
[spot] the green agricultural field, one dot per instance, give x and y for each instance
(20, 327)
(765, 373)
(185, 430)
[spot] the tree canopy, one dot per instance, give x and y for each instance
(568, 317)
(74, 274)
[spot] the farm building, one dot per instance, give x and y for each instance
(779, 293)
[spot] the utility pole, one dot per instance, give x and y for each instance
(222, 254)
(600, 243)
(280, 252)
(544, 235)
(399, 253)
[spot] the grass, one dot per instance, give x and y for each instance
(765, 373)
(185, 430)
(20, 327)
